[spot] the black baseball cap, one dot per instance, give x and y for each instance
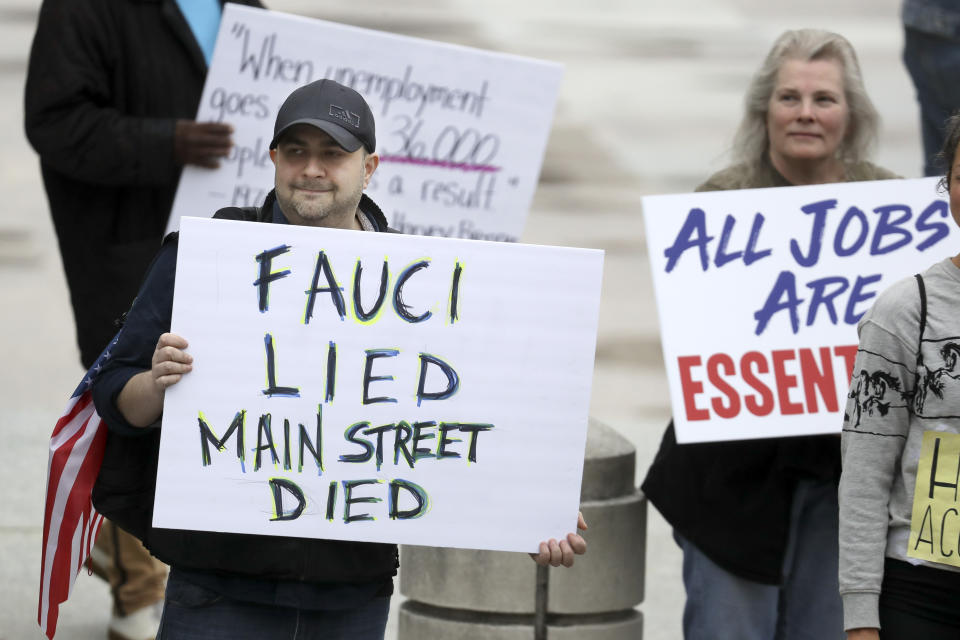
(331, 107)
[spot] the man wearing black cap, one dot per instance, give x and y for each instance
(241, 586)
(330, 124)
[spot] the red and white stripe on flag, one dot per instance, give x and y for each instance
(70, 523)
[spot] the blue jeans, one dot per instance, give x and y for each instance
(193, 612)
(934, 66)
(722, 606)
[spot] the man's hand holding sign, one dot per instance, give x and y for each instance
(141, 400)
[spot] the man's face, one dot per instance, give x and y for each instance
(318, 182)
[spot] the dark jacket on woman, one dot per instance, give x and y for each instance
(732, 499)
(106, 81)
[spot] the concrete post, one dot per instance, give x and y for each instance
(489, 595)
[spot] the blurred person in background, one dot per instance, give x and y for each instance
(910, 329)
(112, 89)
(757, 519)
(931, 53)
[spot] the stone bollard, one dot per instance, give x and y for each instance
(489, 595)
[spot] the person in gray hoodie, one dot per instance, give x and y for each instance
(899, 508)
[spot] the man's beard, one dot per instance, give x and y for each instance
(342, 206)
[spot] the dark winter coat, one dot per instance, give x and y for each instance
(107, 79)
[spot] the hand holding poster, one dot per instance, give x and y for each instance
(460, 132)
(759, 292)
(378, 387)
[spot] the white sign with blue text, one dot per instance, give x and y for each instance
(759, 293)
(460, 132)
(378, 387)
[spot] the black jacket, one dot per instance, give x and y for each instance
(106, 81)
(733, 499)
(126, 484)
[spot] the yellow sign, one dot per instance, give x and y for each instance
(935, 524)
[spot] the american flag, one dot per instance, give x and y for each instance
(70, 523)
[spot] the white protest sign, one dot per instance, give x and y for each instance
(461, 132)
(759, 293)
(393, 388)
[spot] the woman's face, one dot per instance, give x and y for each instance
(808, 113)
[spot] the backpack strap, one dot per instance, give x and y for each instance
(246, 214)
(263, 213)
(923, 311)
(916, 404)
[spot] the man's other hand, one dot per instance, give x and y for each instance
(553, 553)
(201, 143)
(170, 361)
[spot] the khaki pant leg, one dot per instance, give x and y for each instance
(136, 578)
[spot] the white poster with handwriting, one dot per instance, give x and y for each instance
(461, 132)
(378, 387)
(759, 294)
